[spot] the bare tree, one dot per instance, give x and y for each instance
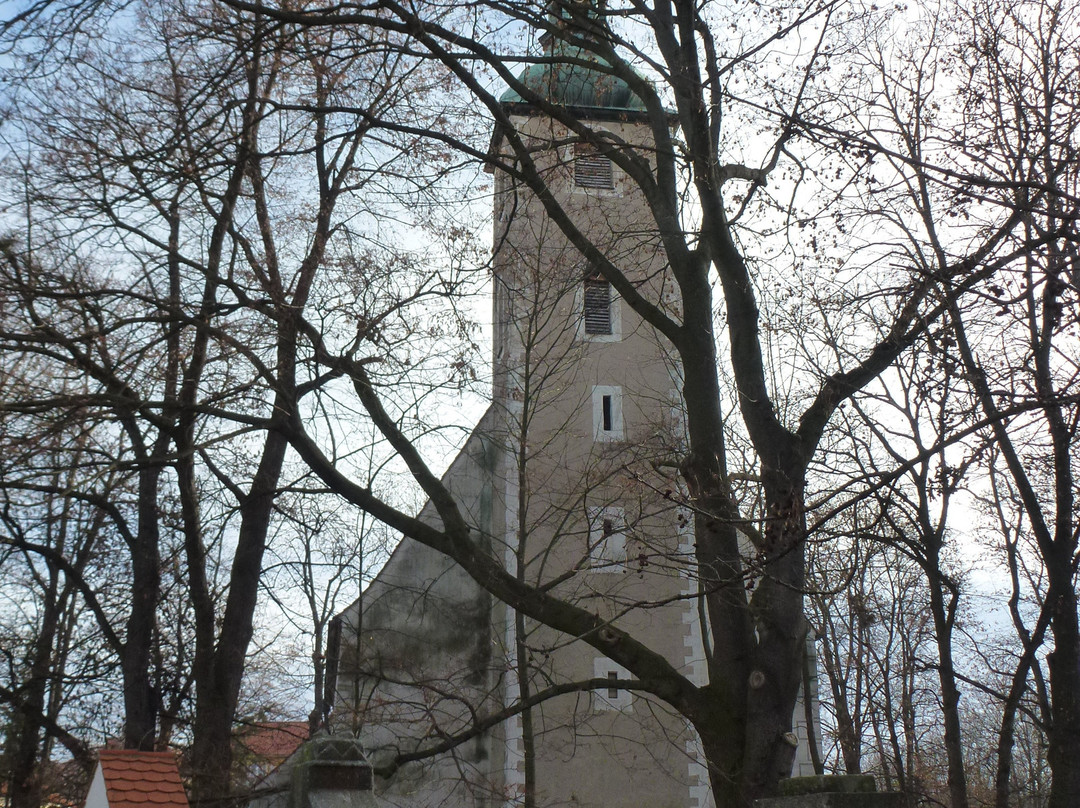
(1011, 346)
(49, 548)
(999, 347)
(709, 211)
(311, 573)
(179, 162)
(811, 239)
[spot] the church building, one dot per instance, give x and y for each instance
(570, 480)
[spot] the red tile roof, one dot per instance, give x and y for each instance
(273, 740)
(135, 779)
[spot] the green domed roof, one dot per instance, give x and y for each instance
(572, 84)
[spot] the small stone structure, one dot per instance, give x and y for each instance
(328, 771)
(831, 791)
(331, 772)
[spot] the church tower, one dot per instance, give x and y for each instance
(569, 480)
(588, 397)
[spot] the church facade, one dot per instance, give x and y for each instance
(570, 480)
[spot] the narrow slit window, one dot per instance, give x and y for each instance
(597, 306)
(592, 169)
(607, 413)
(612, 691)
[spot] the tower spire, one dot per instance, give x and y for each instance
(584, 18)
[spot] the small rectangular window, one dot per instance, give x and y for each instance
(592, 169)
(607, 541)
(597, 306)
(611, 698)
(607, 413)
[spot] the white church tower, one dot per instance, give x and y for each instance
(589, 396)
(570, 480)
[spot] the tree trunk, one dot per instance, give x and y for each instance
(777, 607)
(950, 693)
(721, 738)
(849, 738)
(140, 707)
(217, 696)
(809, 717)
(23, 748)
(1007, 731)
(1064, 663)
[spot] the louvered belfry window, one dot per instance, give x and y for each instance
(597, 305)
(592, 169)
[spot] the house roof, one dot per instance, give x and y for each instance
(135, 779)
(273, 740)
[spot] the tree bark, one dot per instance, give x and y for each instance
(1064, 663)
(140, 703)
(23, 745)
(950, 692)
